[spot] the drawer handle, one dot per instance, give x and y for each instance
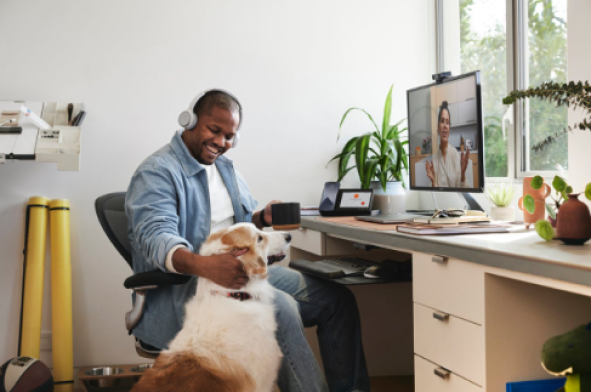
(441, 316)
(439, 259)
(442, 372)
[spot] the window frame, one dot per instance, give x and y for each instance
(517, 57)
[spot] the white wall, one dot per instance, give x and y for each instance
(579, 58)
(296, 66)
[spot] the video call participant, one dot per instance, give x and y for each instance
(188, 189)
(448, 166)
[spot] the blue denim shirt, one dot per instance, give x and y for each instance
(167, 204)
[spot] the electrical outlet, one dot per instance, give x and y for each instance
(45, 341)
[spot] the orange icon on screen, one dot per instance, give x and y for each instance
(362, 203)
(356, 195)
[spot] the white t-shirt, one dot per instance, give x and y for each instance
(222, 211)
(448, 171)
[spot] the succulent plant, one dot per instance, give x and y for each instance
(500, 194)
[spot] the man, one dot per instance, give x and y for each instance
(188, 189)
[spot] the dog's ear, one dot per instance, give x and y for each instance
(212, 244)
(254, 263)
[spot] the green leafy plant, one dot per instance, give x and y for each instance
(561, 192)
(500, 194)
(576, 95)
(379, 154)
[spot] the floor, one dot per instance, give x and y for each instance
(390, 384)
(393, 384)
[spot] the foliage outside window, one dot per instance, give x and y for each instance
(483, 45)
(547, 62)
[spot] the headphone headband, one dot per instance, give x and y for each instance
(188, 119)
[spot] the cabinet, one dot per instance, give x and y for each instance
(448, 297)
(463, 113)
(480, 316)
(467, 112)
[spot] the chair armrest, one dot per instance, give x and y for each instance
(155, 278)
(140, 284)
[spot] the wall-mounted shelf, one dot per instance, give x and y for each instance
(60, 144)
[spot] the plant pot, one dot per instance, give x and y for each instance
(539, 212)
(573, 224)
(392, 201)
(503, 214)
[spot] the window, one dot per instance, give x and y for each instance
(515, 44)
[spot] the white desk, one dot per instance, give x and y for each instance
(499, 298)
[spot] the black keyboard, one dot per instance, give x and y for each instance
(333, 268)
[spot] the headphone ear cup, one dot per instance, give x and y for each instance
(236, 137)
(187, 120)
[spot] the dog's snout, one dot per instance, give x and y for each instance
(287, 237)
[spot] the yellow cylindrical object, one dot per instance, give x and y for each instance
(34, 272)
(61, 296)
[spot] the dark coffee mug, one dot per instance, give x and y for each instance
(286, 216)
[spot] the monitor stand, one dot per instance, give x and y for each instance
(470, 202)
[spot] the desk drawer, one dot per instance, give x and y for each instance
(308, 240)
(427, 381)
(449, 285)
(453, 343)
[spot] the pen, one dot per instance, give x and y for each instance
(70, 110)
(79, 118)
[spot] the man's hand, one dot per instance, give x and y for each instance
(226, 270)
(269, 211)
(256, 217)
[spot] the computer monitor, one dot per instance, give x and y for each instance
(445, 126)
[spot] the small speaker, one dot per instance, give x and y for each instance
(24, 374)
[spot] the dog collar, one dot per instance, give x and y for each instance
(237, 295)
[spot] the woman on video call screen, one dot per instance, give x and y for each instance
(445, 135)
(448, 166)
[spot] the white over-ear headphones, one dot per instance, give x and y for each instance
(188, 119)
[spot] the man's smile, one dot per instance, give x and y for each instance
(213, 150)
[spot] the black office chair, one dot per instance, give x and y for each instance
(110, 210)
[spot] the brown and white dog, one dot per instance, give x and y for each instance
(227, 342)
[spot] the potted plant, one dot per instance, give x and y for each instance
(574, 95)
(569, 219)
(501, 195)
(380, 158)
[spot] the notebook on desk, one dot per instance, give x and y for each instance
(424, 229)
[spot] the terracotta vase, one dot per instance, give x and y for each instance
(574, 221)
(537, 194)
(539, 213)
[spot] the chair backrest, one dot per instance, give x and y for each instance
(110, 210)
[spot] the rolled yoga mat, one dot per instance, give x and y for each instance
(61, 296)
(33, 275)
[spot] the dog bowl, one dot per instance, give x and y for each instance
(141, 368)
(104, 372)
